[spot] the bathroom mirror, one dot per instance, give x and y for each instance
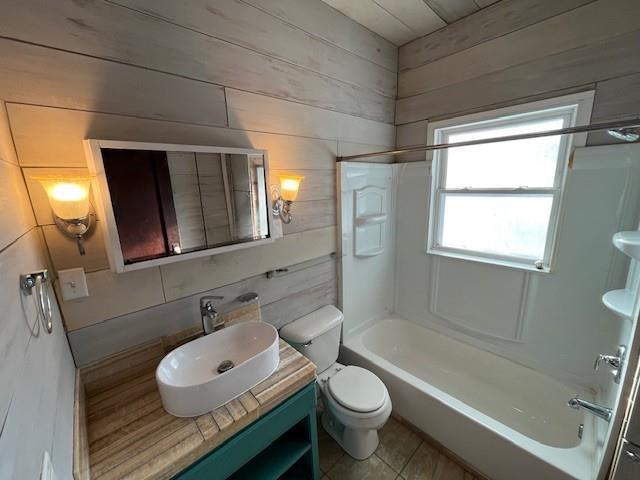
(163, 203)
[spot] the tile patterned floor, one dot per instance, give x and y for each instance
(401, 455)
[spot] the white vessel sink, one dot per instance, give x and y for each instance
(188, 378)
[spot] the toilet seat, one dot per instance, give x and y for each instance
(357, 389)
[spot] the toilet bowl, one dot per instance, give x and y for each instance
(357, 403)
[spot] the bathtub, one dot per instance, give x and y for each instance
(508, 421)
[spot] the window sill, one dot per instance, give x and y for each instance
(488, 261)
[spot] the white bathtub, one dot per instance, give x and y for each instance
(507, 420)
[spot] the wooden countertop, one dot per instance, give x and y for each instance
(129, 435)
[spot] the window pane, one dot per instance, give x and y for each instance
(520, 163)
(508, 225)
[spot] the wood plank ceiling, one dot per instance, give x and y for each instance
(401, 21)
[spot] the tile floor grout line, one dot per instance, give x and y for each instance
(413, 454)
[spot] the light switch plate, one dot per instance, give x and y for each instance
(73, 283)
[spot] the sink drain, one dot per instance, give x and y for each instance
(225, 366)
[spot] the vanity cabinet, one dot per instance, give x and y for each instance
(281, 444)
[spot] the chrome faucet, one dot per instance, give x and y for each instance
(209, 314)
(616, 362)
(599, 411)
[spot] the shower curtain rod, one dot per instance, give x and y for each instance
(594, 127)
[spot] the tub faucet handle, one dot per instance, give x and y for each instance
(610, 360)
(616, 362)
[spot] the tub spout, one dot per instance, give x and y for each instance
(599, 411)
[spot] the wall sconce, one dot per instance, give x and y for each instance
(69, 200)
(285, 196)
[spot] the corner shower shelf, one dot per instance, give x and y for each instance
(619, 302)
(372, 219)
(628, 243)
(371, 252)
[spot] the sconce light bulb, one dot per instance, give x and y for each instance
(68, 192)
(289, 186)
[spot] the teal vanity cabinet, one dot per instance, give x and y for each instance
(281, 444)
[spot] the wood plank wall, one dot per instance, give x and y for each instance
(517, 51)
(294, 77)
(37, 373)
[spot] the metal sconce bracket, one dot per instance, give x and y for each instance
(76, 228)
(38, 281)
(282, 209)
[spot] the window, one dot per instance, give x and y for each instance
(499, 202)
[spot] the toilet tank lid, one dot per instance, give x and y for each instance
(313, 325)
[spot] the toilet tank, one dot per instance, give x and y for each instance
(316, 336)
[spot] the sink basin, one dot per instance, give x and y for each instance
(192, 379)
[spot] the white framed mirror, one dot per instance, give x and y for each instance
(163, 203)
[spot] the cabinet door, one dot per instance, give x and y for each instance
(628, 465)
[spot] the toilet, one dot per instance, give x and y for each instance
(356, 401)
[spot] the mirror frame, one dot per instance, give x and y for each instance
(104, 208)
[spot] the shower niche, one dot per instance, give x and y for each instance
(623, 302)
(370, 221)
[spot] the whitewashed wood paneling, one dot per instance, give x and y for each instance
(453, 10)
(376, 19)
(7, 150)
(36, 373)
(42, 76)
(194, 276)
(295, 306)
(60, 133)
(313, 17)
(415, 14)
(506, 17)
(64, 250)
(311, 215)
(592, 23)
(615, 99)
(105, 30)
(16, 216)
(63, 436)
(298, 284)
(248, 111)
(113, 294)
(408, 135)
(352, 148)
(250, 27)
(614, 57)
(485, 3)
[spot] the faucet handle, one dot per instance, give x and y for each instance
(613, 361)
(599, 359)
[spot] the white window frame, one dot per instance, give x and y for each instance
(575, 109)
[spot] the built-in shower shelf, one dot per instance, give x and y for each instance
(371, 252)
(371, 219)
(619, 302)
(628, 243)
